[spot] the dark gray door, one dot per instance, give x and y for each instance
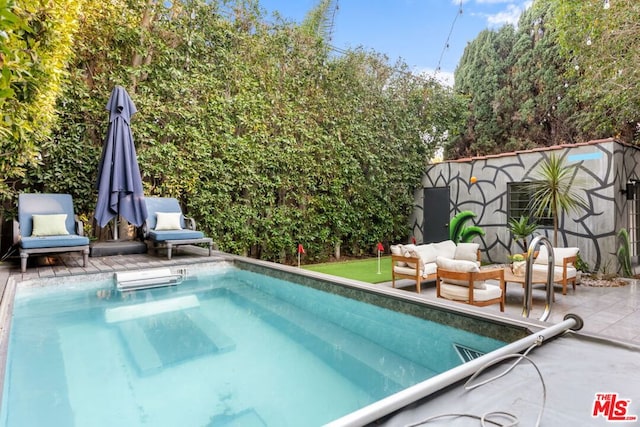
(435, 225)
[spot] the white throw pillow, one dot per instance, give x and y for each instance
(467, 251)
(446, 249)
(427, 253)
(409, 251)
(460, 266)
(397, 250)
(559, 254)
(406, 249)
(168, 221)
(49, 225)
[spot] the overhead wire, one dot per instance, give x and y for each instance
(447, 41)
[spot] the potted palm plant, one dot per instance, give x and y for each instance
(521, 229)
(554, 191)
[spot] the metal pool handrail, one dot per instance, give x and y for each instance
(528, 278)
(412, 394)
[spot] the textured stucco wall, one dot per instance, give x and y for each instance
(603, 169)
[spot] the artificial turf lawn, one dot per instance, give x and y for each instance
(365, 270)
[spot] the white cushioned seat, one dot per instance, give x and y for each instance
(461, 293)
(562, 274)
(430, 269)
(571, 271)
(460, 266)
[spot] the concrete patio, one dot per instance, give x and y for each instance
(612, 312)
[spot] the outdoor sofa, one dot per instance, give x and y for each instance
(418, 262)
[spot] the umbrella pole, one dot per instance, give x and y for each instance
(115, 228)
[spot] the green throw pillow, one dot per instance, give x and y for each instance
(49, 225)
(168, 221)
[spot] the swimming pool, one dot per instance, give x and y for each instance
(228, 346)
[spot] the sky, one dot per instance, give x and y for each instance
(428, 35)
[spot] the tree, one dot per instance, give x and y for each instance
(481, 74)
(600, 44)
(553, 192)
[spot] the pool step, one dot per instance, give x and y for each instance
(198, 336)
(347, 352)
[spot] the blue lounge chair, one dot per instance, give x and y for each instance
(166, 226)
(46, 224)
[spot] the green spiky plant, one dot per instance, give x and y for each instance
(553, 191)
(521, 229)
(460, 233)
(624, 253)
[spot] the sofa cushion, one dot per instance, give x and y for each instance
(425, 253)
(446, 249)
(407, 251)
(461, 293)
(467, 251)
(558, 255)
(571, 271)
(397, 250)
(429, 269)
(49, 225)
(460, 266)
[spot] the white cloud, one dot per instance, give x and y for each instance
(444, 77)
(510, 15)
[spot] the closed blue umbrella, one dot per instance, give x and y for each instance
(119, 183)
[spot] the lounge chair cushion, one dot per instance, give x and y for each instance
(164, 235)
(460, 266)
(461, 293)
(53, 241)
(49, 225)
(168, 221)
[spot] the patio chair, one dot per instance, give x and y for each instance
(464, 281)
(47, 224)
(564, 260)
(166, 226)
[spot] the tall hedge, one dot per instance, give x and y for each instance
(267, 138)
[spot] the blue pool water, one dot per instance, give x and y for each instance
(225, 348)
